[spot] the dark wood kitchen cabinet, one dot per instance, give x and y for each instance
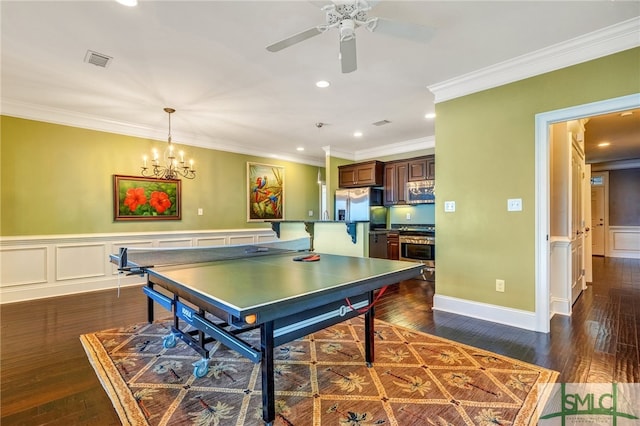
(421, 168)
(393, 246)
(378, 244)
(369, 173)
(395, 179)
(398, 173)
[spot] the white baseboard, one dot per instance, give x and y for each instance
(484, 311)
(26, 293)
(35, 267)
(560, 306)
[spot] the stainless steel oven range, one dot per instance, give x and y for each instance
(418, 244)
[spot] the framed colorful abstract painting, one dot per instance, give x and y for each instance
(265, 192)
(141, 198)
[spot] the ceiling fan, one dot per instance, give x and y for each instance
(347, 16)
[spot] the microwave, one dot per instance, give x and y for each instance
(421, 192)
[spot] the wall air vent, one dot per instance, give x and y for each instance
(97, 59)
(381, 123)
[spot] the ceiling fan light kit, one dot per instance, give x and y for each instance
(347, 16)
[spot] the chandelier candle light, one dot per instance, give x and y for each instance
(174, 168)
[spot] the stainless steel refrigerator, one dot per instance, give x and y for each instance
(359, 204)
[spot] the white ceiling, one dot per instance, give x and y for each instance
(207, 59)
(620, 130)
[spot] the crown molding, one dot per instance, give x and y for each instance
(63, 117)
(607, 41)
(397, 148)
(101, 124)
(382, 151)
(331, 151)
(616, 165)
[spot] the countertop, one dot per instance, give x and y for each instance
(317, 221)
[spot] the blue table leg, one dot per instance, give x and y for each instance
(369, 332)
(149, 304)
(268, 384)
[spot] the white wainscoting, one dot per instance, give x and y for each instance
(624, 241)
(35, 267)
(560, 276)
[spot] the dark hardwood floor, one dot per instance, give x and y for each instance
(46, 378)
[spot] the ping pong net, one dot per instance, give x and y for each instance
(135, 260)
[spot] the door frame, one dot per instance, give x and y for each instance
(542, 122)
(605, 196)
(588, 235)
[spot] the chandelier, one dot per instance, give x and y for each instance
(174, 166)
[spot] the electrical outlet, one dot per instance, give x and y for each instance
(408, 216)
(500, 286)
(514, 204)
(449, 206)
(310, 213)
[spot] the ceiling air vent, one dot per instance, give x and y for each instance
(97, 59)
(381, 123)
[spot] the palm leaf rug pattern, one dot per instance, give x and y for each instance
(321, 379)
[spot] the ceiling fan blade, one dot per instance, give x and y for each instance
(401, 29)
(296, 38)
(320, 3)
(348, 55)
(372, 3)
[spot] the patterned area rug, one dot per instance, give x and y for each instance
(417, 379)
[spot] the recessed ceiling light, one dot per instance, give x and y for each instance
(300, 148)
(129, 3)
(357, 134)
(430, 115)
(322, 84)
(603, 144)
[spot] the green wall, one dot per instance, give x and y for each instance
(332, 180)
(58, 180)
(485, 150)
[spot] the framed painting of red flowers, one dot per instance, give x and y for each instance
(141, 198)
(265, 192)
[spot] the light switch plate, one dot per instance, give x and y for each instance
(449, 206)
(514, 204)
(200, 212)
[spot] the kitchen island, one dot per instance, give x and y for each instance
(328, 236)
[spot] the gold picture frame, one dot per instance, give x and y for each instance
(265, 192)
(142, 198)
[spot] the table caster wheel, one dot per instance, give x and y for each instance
(169, 341)
(201, 368)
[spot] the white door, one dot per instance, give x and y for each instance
(577, 224)
(598, 213)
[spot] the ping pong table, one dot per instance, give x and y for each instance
(280, 287)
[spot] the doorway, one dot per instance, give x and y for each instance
(542, 249)
(599, 216)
